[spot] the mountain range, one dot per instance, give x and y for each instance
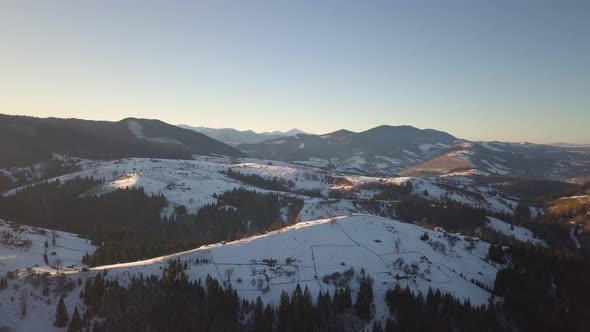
(235, 137)
(144, 203)
(392, 150)
(380, 151)
(409, 144)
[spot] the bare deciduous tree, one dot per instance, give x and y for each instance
(228, 273)
(56, 264)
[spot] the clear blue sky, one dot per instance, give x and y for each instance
(494, 70)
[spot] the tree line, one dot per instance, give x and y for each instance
(127, 224)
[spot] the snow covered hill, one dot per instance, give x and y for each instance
(193, 184)
(526, 160)
(460, 189)
(318, 254)
(519, 232)
(23, 247)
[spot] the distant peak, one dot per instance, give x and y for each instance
(295, 131)
(340, 132)
(394, 127)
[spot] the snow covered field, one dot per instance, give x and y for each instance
(520, 233)
(193, 183)
(23, 247)
(459, 189)
(21, 261)
(307, 254)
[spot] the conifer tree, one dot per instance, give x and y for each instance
(259, 314)
(61, 314)
(364, 298)
(268, 318)
(76, 322)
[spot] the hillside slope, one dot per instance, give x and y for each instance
(27, 140)
(308, 254)
(194, 183)
(524, 160)
(23, 247)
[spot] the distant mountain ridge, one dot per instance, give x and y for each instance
(380, 151)
(235, 137)
(569, 145)
(399, 146)
(406, 150)
(26, 140)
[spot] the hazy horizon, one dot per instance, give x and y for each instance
(271, 130)
(505, 71)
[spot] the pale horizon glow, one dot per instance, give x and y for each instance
(506, 71)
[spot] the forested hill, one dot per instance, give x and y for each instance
(26, 140)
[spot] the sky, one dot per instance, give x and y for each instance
(480, 70)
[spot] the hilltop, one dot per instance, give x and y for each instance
(28, 140)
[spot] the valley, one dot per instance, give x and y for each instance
(422, 217)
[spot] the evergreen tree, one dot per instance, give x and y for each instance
(522, 212)
(496, 254)
(3, 283)
(76, 322)
(377, 327)
(268, 318)
(61, 313)
(364, 300)
(259, 315)
(284, 314)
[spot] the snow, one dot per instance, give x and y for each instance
(466, 173)
(304, 178)
(496, 168)
(313, 162)
(354, 162)
(315, 208)
(15, 254)
(440, 189)
(519, 232)
(573, 235)
(37, 170)
(304, 254)
(137, 130)
(389, 159)
(580, 198)
(427, 147)
(490, 146)
(462, 154)
(477, 197)
(319, 248)
(411, 153)
(191, 183)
